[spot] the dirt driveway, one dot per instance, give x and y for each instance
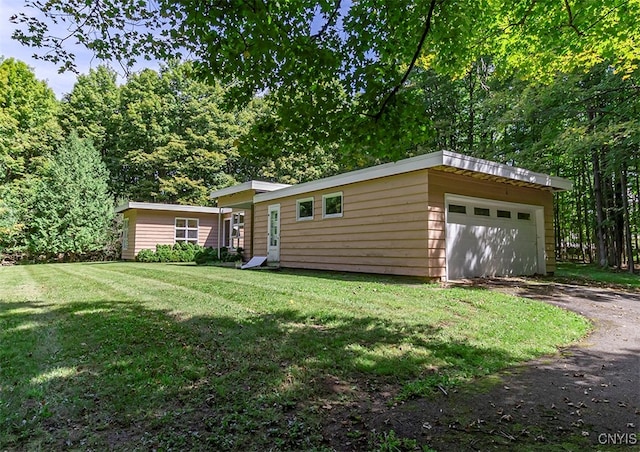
(585, 398)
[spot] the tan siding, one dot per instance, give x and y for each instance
(441, 183)
(154, 227)
(247, 234)
(129, 253)
(244, 197)
(382, 229)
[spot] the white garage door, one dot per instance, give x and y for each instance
(492, 238)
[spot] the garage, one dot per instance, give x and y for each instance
(485, 237)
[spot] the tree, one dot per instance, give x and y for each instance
(176, 142)
(303, 47)
(29, 129)
(91, 109)
(72, 210)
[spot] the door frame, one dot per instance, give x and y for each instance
(536, 210)
(273, 251)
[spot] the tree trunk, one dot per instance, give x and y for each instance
(627, 223)
(597, 191)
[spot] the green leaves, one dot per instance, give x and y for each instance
(72, 210)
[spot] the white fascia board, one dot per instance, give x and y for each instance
(420, 162)
(465, 162)
(251, 185)
(169, 207)
(388, 169)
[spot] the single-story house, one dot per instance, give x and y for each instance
(440, 215)
(145, 225)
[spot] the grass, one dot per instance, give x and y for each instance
(166, 356)
(593, 274)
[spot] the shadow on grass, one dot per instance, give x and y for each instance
(358, 277)
(112, 374)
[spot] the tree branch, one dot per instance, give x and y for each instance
(394, 91)
(571, 18)
(331, 21)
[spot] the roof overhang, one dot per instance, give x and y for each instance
(169, 207)
(255, 185)
(442, 160)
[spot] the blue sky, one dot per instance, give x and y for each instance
(44, 70)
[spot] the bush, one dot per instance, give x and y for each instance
(188, 252)
(206, 256)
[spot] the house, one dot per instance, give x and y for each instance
(440, 215)
(146, 225)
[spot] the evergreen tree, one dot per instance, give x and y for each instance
(72, 210)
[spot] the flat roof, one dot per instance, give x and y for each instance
(170, 207)
(445, 159)
(257, 185)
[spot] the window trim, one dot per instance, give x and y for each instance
(324, 205)
(300, 201)
(125, 234)
(186, 230)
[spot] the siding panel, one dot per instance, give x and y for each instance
(153, 227)
(382, 230)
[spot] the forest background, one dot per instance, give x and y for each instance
(175, 134)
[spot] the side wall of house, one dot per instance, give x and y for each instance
(382, 229)
(153, 227)
(129, 253)
(443, 182)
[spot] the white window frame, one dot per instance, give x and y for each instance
(186, 230)
(125, 234)
(324, 205)
(231, 239)
(300, 201)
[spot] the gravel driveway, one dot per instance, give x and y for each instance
(586, 397)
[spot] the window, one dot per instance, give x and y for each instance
(524, 216)
(125, 234)
(304, 209)
(186, 230)
(234, 231)
(455, 208)
(481, 211)
(332, 205)
(504, 214)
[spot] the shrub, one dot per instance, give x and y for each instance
(188, 252)
(146, 256)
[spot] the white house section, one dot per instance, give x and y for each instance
(485, 237)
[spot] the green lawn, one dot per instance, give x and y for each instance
(161, 356)
(593, 274)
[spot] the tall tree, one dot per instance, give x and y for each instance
(300, 47)
(91, 109)
(176, 141)
(29, 131)
(73, 209)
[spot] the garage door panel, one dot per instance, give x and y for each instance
(491, 246)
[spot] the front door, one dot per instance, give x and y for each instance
(273, 236)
